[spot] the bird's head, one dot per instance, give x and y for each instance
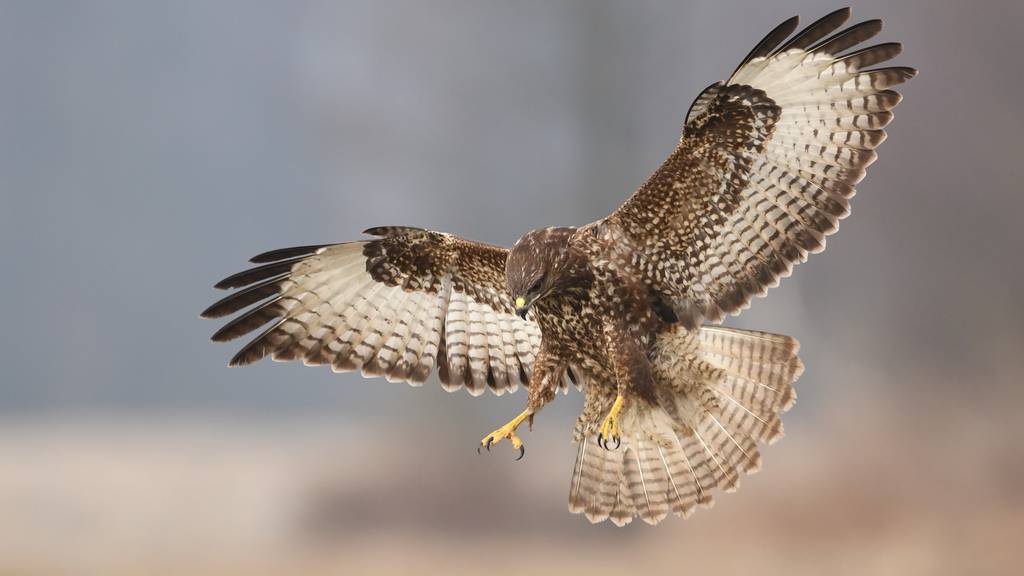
(535, 266)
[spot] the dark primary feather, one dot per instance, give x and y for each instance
(256, 274)
(284, 253)
(770, 41)
(849, 38)
(816, 31)
(236, 301)
(873, 55)
(249, 321)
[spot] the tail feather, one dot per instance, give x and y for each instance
(650, 479)
(728, 390)
(734, 450)
(740, 419)
(760, 398)
(623, 512)
(713, 470)
(684, 492)
(752, 345)
(591, 493)
(647, 479)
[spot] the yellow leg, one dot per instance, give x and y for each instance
(610, 427)
(507, 431)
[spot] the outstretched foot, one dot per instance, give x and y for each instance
(507, 431)
(610, 427)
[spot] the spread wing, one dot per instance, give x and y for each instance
(397, 306)
(764, 170)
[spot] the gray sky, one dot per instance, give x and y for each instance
(148, 149)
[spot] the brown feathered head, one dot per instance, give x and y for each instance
(537, 266)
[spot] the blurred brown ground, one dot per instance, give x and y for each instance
(857, 490)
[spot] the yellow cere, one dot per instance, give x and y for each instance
(520, 302)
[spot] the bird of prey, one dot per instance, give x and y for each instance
(626, 309)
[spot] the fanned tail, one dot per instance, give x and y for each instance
(723, 391)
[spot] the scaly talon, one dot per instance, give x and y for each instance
(507, 431)
(610, 427)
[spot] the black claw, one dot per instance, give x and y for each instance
(600, 441)
(522, 452)
(489, 441)
(618, 442)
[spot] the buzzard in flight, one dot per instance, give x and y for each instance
(623, 308)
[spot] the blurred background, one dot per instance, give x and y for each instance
(147, 149)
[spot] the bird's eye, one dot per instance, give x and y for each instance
(535, 287)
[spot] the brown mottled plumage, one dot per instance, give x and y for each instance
(763, 173)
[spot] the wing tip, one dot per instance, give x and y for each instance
(250, 354)
(770, 41)
(258, 274)
(279, 254)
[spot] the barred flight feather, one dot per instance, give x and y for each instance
(765, 166)
(396, 307)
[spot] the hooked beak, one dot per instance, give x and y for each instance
(522, 307)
